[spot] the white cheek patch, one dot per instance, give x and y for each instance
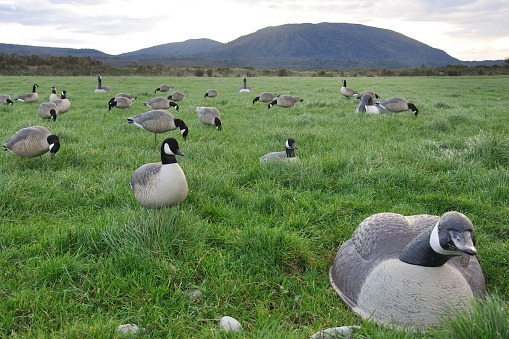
(167, 150)
(51, 146)
(287, 144)
(434, 242)
(182, 131)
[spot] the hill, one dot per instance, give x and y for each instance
(55, 51)
(189, 47)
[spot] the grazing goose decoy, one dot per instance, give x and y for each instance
(209, 116)
(285, 101)
(29, 97)
(159, 121)
(161, 184)
(100, 88)
(398, 104)
(373, 95)
(244, 87)
(177, 96)
(211, 93)
(163, 88)
(408, 269)
(64, 105)
(161, 103)
(288, 155)
(119, 102)
(347, 91)
(125, 95)
(265, 97)
(5, 99)
(48, 110)
(54, 96)
(367, 105)
(32, 142)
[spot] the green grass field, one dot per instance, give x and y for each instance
(79, 256)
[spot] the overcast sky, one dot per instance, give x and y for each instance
(467, 30)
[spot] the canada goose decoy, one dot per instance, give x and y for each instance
(163, 88)
(100, 88)
(347, 91)
(285, 101)
(29, 97)
(119, 102)
(373, 95)
(265, 97)
(159, 121)
(54, 96)
(161, 103)
(64, 105)
(5, 99)
(397, 104)
(367, 105)
(48, 110)
(161, 184)
(209, 116)
(408, 269)
(32, 142)
(288, 155)
(244, 87)
(211, 93)
(177, 96)
(125, 95)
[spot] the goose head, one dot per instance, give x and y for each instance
(290, 147)
(54, 144)
(169, 149)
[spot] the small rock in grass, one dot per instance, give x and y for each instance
(229, 324)
(334, 332)
(129, 329)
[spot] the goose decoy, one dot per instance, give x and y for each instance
(211, 93)
(32, 142)
(125, 95)
(48, 110)
(373, 95)
(209, 116)
(397, 104)
(64, 105)
(177, 96)
(54, 96)
(5, 99)
(163, 88)
(119, 102)
(265, 97)
(408, 269)
(367, 105)
(347, 91)
(288, 155)
(29, 97)
(159, 121)
(100, 88)
(161, 103)
(285, 101)
(161, 184)
(244, 88)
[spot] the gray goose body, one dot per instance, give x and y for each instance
(285, 101)
(5, 99)
(48, 110)
(100, 88)
(244, 87)
(32, 142)
(119, 102)
(162, 184)
(54, 96)
(29, 97)
(177, 96)
(265, 97)
(212, 93)
(163, 88)
(125, 95)
(367, 105)
(398, 104)
(407, 268)
(63, 104)
(159, 121)
(287, 155)
(347, 91)
(209, 116)
(161, 103)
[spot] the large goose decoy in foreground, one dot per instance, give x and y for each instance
(32, 142)
(408, 269)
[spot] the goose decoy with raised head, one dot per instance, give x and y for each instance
(285, 101)
(163, 88)
(64, 105)
(29, 97)
(265, 97)
(119, 102)
(288, 155)
(367, 105)
(177, 96)
(48, 110)
(161, 184)
(161, 103)
(347, 91)
(397, 104)
(244, 87)
(32, 142)
(54, 95)
(209, 116)
(5, 99)
(159, 121)
(100, 88)
(408, 269)
(211, 93)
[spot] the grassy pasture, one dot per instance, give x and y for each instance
(79, 256)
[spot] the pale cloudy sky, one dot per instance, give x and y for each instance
(467, 30)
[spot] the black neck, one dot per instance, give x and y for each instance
(290, 153)
(419, 252)
(168, 159)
